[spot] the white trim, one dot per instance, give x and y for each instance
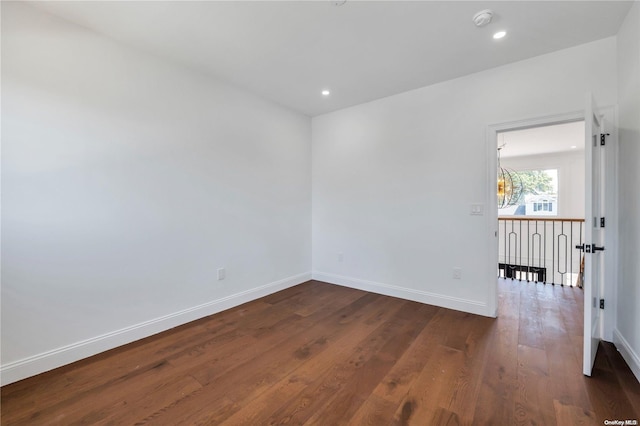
(625, 349)
(491, 213)
(49, 360)
(458, 304)
(610, 285)
(529, 123)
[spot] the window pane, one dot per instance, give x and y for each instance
(539, 194)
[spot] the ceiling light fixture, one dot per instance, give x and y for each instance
(482, 18)
(510, 187)
(573, 146)
(499, 35)
(326, 93)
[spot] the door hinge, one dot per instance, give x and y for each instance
(602, 222)
(601, 303)
(603, 137)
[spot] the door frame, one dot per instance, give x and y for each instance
(609, 117)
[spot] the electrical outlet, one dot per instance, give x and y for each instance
(221, 274)
(340, 257)
(457, 273)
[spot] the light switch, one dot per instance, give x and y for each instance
(477, 209)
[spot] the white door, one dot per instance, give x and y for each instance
(594, 233)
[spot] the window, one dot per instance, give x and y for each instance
(539, 195)
(543, 206)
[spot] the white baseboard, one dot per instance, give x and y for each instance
(627, 352)
(429, 298)
(27, 367)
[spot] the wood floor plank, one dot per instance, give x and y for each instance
(601, 388)
(75, 411)
(393, 388)
(533, 404)
(495, 404)
(460, 406)
(630, 386)
(314, 368)
(270, 338)
(140, 403)
(317, 369)
(263, 371)
(361, 376)
(431, 388)
(322, 354)
(530, 327)
(573, 415)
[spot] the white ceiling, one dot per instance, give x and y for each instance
(364, 50)
(542, 140)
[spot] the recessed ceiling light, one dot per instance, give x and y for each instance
(499, 34)
(573, 146)
(326, 93)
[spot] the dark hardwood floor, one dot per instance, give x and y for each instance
(328, 355)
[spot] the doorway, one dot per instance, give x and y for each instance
(541, 201)
(607, 290)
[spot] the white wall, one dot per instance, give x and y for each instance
(570, 166)
(627, 334)
(394, 179)
(126, 182)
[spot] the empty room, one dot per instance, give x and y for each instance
(320, 212)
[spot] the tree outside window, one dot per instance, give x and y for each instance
(539, 194)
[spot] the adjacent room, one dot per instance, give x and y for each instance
(541, 209)
(314, 212)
